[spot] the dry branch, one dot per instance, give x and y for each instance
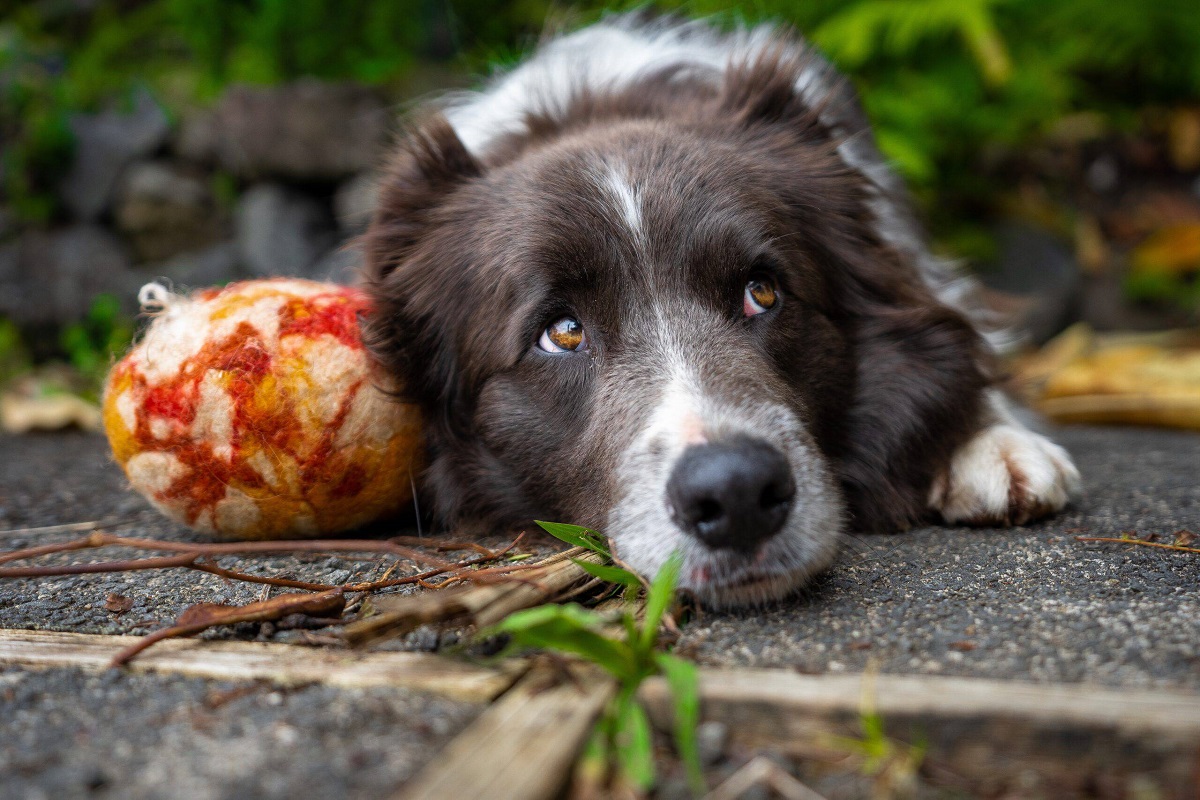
(480, 604)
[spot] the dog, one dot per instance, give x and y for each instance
(657, 280)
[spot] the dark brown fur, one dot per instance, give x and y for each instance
(469, 258)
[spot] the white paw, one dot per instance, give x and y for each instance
(1006, 475)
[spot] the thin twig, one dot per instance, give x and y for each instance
(163, 562)
(69, 527)
(1118, 540)
(285, 546)
(191, 561)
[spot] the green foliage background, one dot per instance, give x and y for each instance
(952, 85)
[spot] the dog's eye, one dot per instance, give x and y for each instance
(760, 296)
(563, 335)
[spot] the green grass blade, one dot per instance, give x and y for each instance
(608, 574)
(684, 682)
(634, 744)
(576, 536)
(662, 591)
(569, 629)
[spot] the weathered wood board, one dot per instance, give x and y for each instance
(279, 663)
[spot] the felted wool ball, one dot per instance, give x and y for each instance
(253, 412)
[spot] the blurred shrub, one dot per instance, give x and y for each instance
(96, 341)
(950, 84)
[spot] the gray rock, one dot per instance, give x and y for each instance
(340, 265)
(105, 144)
(164, 211)
(711, 740)
(281, 231)
(8, 224)
(214, 265)
(198, 137)
(354, 203)
(308, 130)
(51, 278)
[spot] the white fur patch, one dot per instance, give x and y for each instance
(1006, 474)
(607, 56)
(627, 198)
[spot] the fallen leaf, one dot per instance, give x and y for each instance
(1183, 139)
(1184, 538)
(1174, 250)
(51, 413)
(1141, 379)
(962, 647)
(117, 603)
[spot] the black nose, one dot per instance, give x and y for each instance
(733, 494)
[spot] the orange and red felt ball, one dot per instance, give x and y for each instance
(254, 412)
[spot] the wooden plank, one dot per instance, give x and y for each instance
(279, 663)
(992, 733)
(524, 746)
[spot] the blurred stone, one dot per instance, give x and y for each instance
(711, 740)
(105, 144)
(50, 278)
(198, 137)
(308, 130)
(1040, 270)
(197, 270)
(281, 231)
(340, 265)
(164, 211)
(1106, 307)
(354, 203)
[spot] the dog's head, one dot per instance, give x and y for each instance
(676, 327)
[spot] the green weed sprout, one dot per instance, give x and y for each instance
(623, 735)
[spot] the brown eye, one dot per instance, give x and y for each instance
(760, 296)
(563, 335)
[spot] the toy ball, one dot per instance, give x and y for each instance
(253, 412)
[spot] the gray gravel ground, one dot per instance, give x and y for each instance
(1032, 604)
(69, 734)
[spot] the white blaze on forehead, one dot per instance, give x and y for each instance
(626, 196)
(678, 416)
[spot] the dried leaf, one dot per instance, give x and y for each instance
(1117, 378)
(324, 604)
(1183, 139)
(50, 413)
(117, 603)
(1174, 250)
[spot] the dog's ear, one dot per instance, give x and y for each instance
(920, 372)
(430, 162)
(769, 90)
(917, 398)
(430, 165)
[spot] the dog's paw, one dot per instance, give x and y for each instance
(1006, 475)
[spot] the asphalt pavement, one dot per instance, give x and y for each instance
(1032, 603)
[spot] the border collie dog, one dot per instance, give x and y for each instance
(658, 280)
